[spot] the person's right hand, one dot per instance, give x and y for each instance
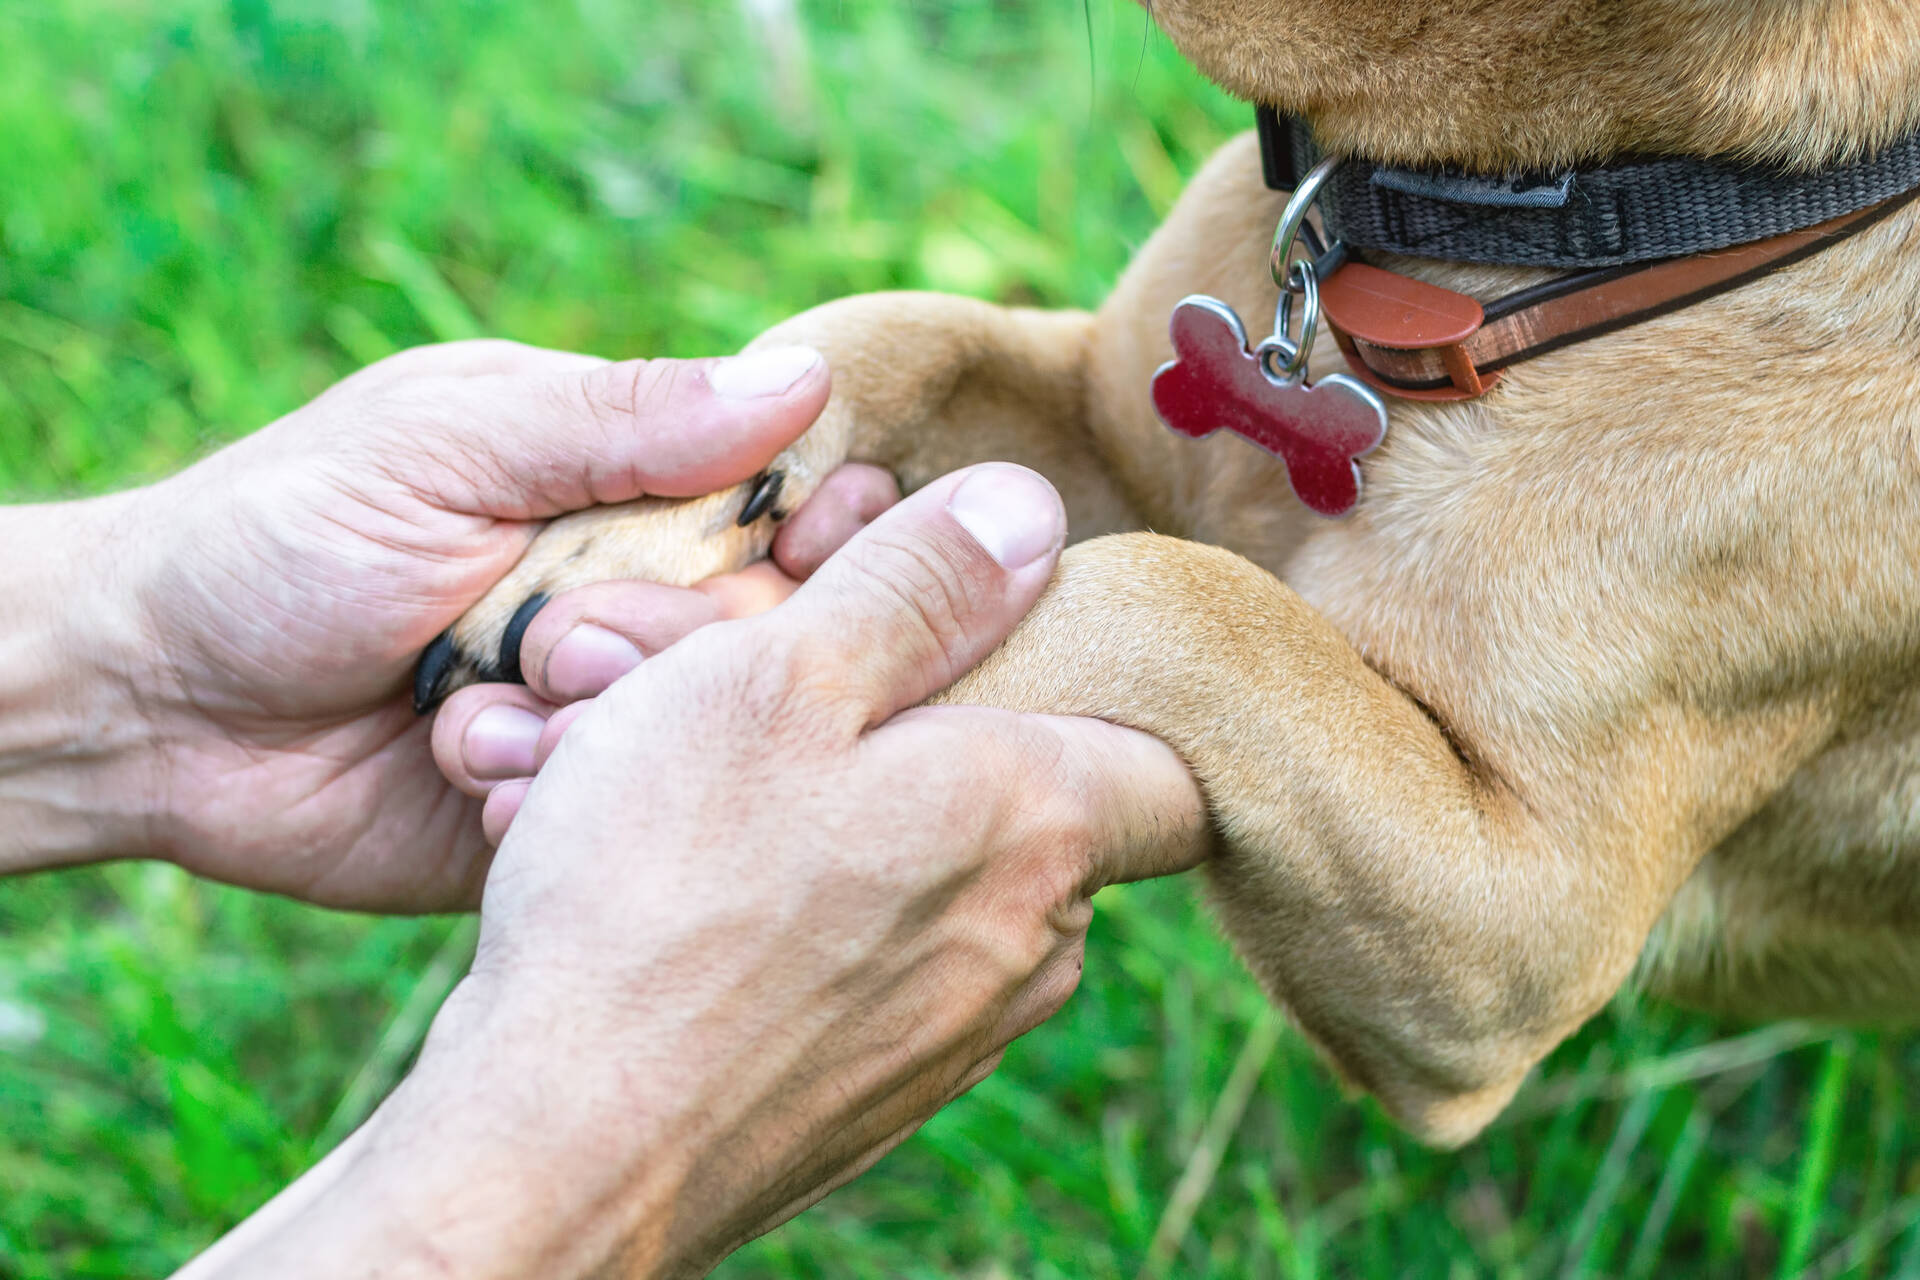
(755, 922)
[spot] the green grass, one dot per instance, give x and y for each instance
(208, 211)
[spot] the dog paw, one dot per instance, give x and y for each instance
(676, 542)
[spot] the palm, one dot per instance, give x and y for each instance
(298, 649)
(297, 574)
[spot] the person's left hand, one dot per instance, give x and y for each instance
(286, 584)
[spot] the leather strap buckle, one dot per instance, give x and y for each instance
(1385, 310)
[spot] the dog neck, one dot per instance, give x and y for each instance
(1642, 238)
(1640, 209)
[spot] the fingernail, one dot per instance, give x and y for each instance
(587, 660)
(761, 373)
(1011, 512)
(500, 742)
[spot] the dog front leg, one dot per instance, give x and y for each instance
(1436, 928)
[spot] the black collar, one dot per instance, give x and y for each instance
(1637, 210)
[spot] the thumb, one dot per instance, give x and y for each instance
(527, 446)
(927, 590)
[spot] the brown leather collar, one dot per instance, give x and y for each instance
(1419, 341)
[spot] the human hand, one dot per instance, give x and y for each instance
(489, 737)
(285, 585)
(755, 922)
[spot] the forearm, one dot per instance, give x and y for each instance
(75, 778)
(479, 1167)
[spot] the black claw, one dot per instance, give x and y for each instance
(430, 677)
(763, 497)
(516, 632)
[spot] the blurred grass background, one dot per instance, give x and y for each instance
(210, 209)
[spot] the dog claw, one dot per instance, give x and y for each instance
(516, 632)
(443, 665)
(763, 498)
(599, 545)
(431, 676)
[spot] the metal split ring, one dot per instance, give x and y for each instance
(1284, 358)
(1286, 273)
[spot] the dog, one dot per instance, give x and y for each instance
(1610, 674)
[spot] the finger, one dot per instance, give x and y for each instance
(557, 726)
(754, 589)
(583, 640)
(529, 447)
(926, 591)
(1147, 815)
(1121, 802)
(502, 806)
(845, 503)
(487, 733)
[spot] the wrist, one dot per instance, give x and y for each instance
(572, 1165)
(78, 769)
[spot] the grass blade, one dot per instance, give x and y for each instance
(1720, 1057)
(1823, 1122)
(1607, 1183)
(1204, 1163)
(1855, 1255)
(1680, 1162)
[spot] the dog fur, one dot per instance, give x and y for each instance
(1617, 667)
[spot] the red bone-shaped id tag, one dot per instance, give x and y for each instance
(1320, 431)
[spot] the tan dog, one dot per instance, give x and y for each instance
(1617, 665)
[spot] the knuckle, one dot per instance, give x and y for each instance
(1051, 811)
(627, 391)
(603, 397)
(920, 581)
(807, 662)
(614, 401)
(1072, 828)
(1071, 838)
(1055, 986)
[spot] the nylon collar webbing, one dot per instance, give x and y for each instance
(1638, 210)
